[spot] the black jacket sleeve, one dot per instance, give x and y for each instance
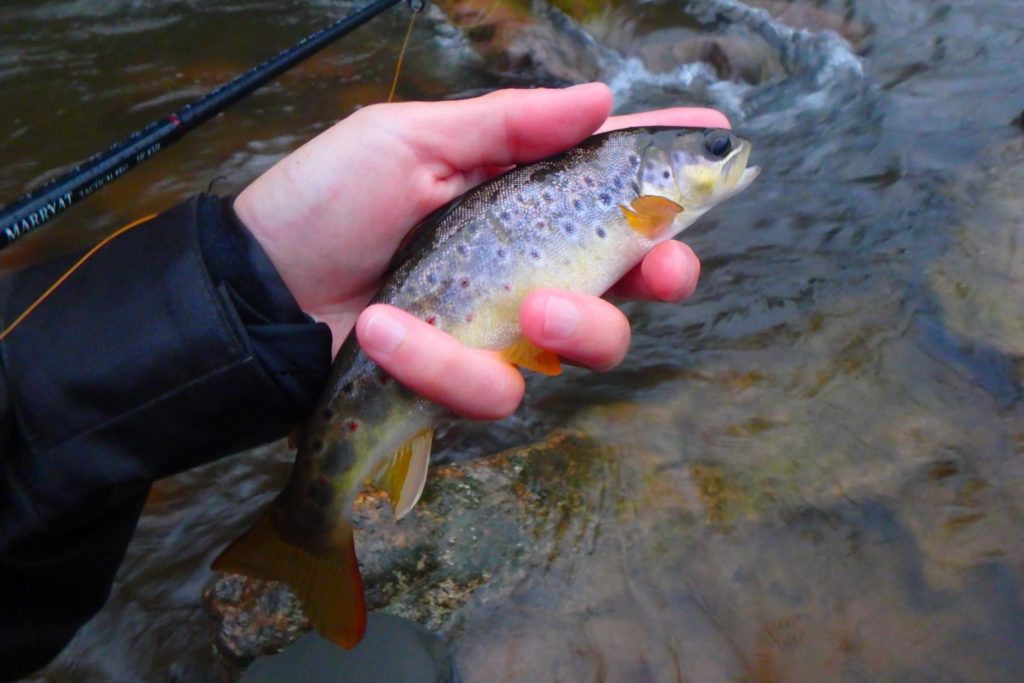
(175, 344)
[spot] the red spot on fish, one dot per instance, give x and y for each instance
(465, 282)
(352, 425)
(322, 480)
(469, 318)
(385, 378)
(507, 287)
(432, 320)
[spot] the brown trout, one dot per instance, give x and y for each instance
(579, 221)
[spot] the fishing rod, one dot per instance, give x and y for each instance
(43, 203)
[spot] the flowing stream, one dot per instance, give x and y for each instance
(812, 470)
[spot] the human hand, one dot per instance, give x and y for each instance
(331, 215)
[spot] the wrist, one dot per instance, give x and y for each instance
(235, 257)
(252, 213)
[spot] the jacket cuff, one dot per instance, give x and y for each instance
(157, 355)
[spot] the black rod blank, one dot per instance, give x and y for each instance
(41, 204)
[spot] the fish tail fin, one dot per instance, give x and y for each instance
(329, 587)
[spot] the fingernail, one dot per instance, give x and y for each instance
(561, 318)
(382, 333)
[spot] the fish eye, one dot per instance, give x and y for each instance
(718, 142)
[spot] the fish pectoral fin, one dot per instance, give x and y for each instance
(406, 474)
(650, 214)
(329, 585)
(526, 355)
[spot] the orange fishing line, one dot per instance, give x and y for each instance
(89, 254)
(401, 57)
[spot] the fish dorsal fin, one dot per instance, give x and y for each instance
(526, 355)
(406, 474)
(650, 214)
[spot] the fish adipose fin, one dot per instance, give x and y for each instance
(406, 474)
(329, 586)
(650, 214)
(526, 355)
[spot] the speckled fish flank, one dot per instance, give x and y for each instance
(576, 221)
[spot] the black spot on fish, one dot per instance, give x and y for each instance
(617, 182)
(464, 282)
(546, 196)
(578, 205)
(601, 233)
(569, 228)
(605, 198)
(431, 278)
(493, 199)
(634, 159)
(330, 463)
(665, 174)
(589, 181)
(506, 216)
(320, 492)
(347, 387)
(534, 253)
(501, 253)
(462, 249)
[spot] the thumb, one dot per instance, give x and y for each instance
(506, 127)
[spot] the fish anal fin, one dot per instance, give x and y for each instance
(526, 355)
(404, 478)
(328, 586)
(650, 214)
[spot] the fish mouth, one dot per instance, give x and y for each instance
(736, 175)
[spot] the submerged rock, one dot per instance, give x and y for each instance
(740, 522)
(811, 17)
(733, 58)
(521, 43)
(576, 42)
(478, 524)
(980, 280)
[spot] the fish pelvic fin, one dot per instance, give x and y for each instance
(329, 586)
(650, 215)
(526, 355)
(406, 473)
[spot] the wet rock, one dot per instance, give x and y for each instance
(980, 279)
(394, 650)
(255, 617)
(733, 58)
(523, 44)
(477, 525)
(811, 17)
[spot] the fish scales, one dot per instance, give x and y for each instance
(577, 221)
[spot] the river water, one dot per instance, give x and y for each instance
(812, 470)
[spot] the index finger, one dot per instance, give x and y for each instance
(697, 117)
